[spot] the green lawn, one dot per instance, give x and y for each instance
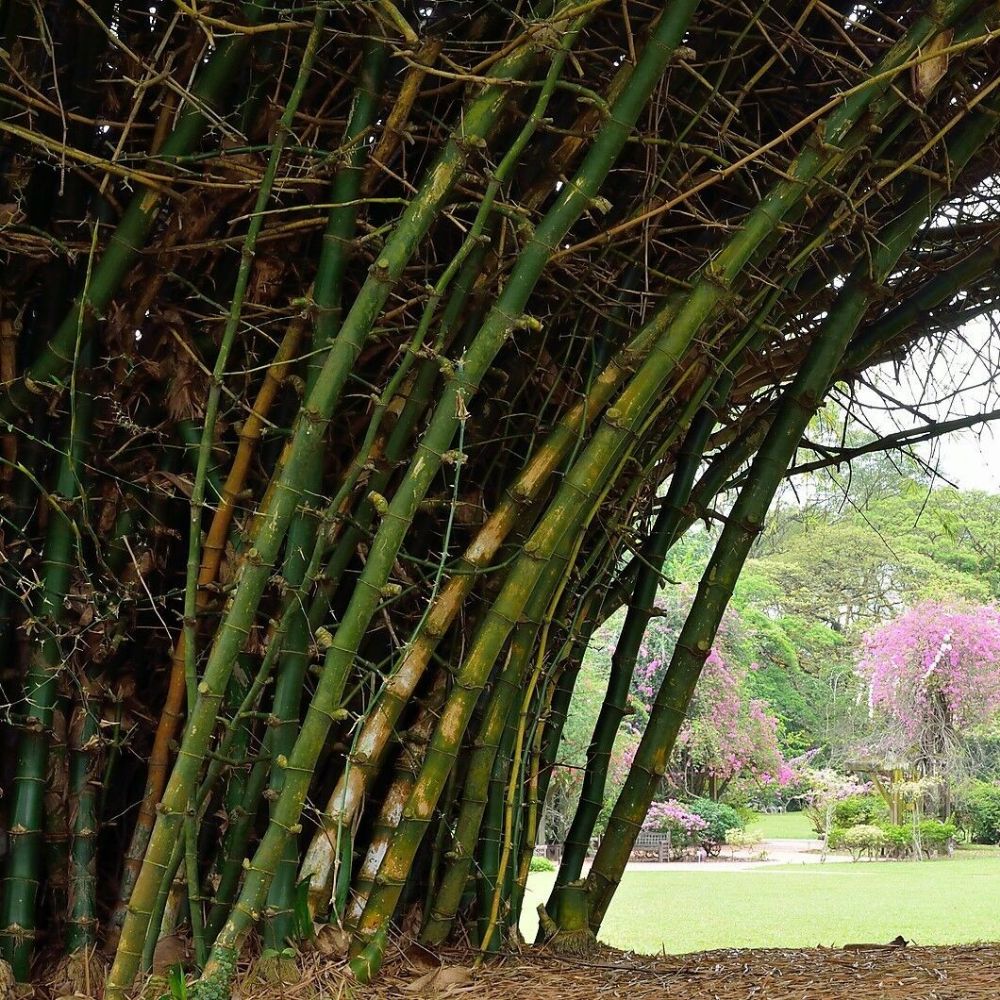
(783, 826)
(934, 902)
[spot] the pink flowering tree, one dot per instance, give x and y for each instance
(727, 734)
(930, 675)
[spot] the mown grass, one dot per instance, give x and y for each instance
(783, 826)
(932, 902)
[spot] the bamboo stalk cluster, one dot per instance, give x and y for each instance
(357, 362)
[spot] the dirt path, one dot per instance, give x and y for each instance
(778, 852)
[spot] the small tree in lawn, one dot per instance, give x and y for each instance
(931, 675)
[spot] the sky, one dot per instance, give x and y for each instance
(943, 384)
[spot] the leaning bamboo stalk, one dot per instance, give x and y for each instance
(327, 308)
(597, 463)
(475, 793)
(213, 550)
(744, 523)
(623, 659)
(430, 452)
(284, 495)
(576, 196)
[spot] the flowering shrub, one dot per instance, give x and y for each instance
(827, 788)
(672, 817)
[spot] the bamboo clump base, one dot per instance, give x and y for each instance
(942, 973)
(727, 974)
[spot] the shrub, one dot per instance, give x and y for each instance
(898, 839)
(719, 820)
(743, 840)
(936, 836)
(540, 864)
(835, 841)
(864, 839)
(858, 810)
(981, 808)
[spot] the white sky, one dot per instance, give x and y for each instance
(944, 385)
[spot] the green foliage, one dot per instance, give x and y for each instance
(177, 982)
(862, 840)
(743, 839)
(858, 810)
(936, 836)
(540, 864)
(898, 839)
(979, 808)
(720, 818)
(893, 840)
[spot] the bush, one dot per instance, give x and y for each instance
(858, 810)
(540, 864)
(981, 809)
(719, 820)
(864, 839)
(936, 836)
(743, 840)
(898, 839)
(835, 841)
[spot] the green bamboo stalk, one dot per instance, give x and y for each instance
(478, 791)
(327, 304)
(132, 232)
(623, 659)
(284, 495)
(85, 767)
(934, 292)
(799, 403)
(585, 480)
(464, 378)
(23, 869)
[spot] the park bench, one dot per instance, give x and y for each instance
(654, 840)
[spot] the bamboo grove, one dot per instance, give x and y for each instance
(358, 360)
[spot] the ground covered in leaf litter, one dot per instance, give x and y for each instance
(943, 973)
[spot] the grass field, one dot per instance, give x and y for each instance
(783, 826)
(932, 902)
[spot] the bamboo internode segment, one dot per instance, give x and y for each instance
(356, 362)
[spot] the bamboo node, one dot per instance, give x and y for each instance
(379, 502)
